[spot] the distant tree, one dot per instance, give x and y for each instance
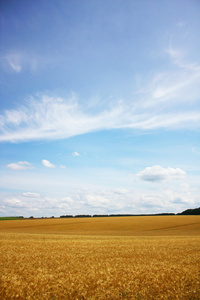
(83, 216)
(95, 216)
(191, 211)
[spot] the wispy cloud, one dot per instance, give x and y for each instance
(20, 165)
(62, 167)
(75, 154)
(31, 195)
(158, 173)
(15, 62)
(55, 118)
(47, 164)
(168, 101)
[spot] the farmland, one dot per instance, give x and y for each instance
(101, 258)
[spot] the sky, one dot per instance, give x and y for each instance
(99, 107)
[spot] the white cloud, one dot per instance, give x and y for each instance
(54, 118)
(31, 195)
(47, 164)
(96, 200)
(15, 117)
(67, 200)
(169, 100)
(21, 165)
(75, 154)
(13, 202)
(182, 195)
(121, 191)
(62, 167)
(158, 173)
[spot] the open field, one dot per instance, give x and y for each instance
(109, 226)
(101, 258)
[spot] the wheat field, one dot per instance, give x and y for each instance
(101, 258)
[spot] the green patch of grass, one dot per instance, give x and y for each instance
(10, 218)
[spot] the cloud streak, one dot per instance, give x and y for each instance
(18, 61)
(156, 105)
(20, 165)
(14, 61)
(31, 195)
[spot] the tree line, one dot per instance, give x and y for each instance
(191, 211)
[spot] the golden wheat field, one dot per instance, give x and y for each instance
(101, 258)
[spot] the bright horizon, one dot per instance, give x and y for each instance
(99, 107)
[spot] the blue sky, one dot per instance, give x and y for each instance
(99, 107)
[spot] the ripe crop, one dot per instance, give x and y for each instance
(63, 266)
